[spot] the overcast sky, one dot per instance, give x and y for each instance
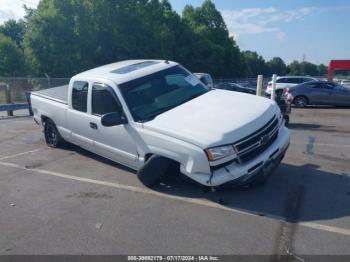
(291, 29)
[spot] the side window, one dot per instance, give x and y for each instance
(306, 80)
(300, 80)
(102, 100)
(338, 86)
(79, 95)
(313, 85)
(282, 80)
(296, 80)
(329, 86)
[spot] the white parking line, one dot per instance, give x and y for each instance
(20, 154)
(200, 202)
(319, 144)
(332, 229)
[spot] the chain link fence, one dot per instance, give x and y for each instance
(13, 90)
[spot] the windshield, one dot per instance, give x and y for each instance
(154, 94)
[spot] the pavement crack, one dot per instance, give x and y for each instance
(284, 241)
(310, 145)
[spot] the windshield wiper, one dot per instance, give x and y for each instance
(190, 98)
(157, 113)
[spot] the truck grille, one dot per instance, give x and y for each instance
(254, 144)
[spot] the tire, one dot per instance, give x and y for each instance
(52, 136)
(300, 102)
(286, 120)
(155, 168)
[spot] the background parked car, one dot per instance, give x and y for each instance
(288, 81)
(235, 87)
(283, 104)
(345, 83)
(320, 93)
(206, 79)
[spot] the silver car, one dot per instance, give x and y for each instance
(320, 93)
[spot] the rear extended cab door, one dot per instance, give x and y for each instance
(78, 114)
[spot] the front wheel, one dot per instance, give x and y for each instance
(300, 102)
(155, 168)
(52, 136)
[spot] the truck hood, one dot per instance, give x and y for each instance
(215, 118)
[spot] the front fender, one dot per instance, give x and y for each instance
(192, 158)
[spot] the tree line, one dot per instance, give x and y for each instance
(63, 37)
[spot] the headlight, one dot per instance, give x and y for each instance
(219, 152)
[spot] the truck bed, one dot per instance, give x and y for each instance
(58, 94)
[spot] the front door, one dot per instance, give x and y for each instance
(318, 94)
(340, 96)
(115, 142)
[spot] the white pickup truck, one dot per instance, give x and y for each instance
(157, 118)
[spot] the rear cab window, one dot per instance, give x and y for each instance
(80, 96)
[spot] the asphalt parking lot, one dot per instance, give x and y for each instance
(68, 201)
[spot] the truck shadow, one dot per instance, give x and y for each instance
(293, 193)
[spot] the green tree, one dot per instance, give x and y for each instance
(14, 30)
(215, 51)
(49, 41)
(294, 68)
(65, 37)
(11, 57)
(277, 66)
(255, 64)
(322, 70)
(306, 68)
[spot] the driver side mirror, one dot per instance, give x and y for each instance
(113, 119)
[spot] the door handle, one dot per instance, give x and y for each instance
(93, 125)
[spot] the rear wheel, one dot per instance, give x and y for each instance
(52, 136)
(300, 101)
(155, 168)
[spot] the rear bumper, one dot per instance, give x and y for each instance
(239, 174)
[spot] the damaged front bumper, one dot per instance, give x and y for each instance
(240, 174)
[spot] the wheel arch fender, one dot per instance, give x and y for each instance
(188, 161)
